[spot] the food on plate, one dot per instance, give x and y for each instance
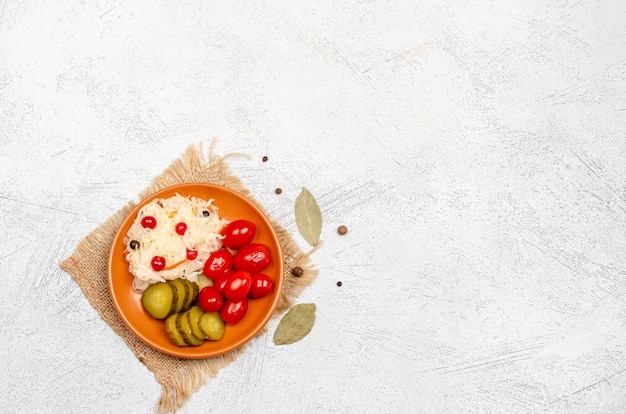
(221, 282)
(203, 281)
(238, 233)
(212, 326)
(261, 285)
(171, 238)
(195, 270)
(233, 311)
(210, 299)
(252, 258)
(193, 315)
(166, 298)
(238, 285)
(218, 263)
(158, 300)
(194, 326)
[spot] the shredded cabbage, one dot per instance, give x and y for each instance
(202, 235)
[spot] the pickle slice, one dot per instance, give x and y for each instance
(174, 299)
(193, 315)
(194, 293)
(212, 325)
(184, 291)
(157, 300)
(183, 327)
(203, 281)
(170, 327)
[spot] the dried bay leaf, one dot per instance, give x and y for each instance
(296, 324)
(308, 217)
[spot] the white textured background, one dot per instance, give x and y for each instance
(476, 151)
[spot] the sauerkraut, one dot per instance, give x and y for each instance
(184, 254)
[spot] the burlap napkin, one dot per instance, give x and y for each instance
(180, 378)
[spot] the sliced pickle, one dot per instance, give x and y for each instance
(184, 291)
(170, 327)
(193, 315)
(203, 281)
(183, 327)
(174, 299)
(212, 325)
(194, 293)
(158, 299)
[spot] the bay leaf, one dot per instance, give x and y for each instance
(296, 324)
(308, 217)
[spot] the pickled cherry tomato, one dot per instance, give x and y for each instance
(210, 299)
(252, 258)
(221, 281)
(237, 286)
(233, 311)
(158, 263)
(261, 285)
(148, 222)
(218, 263)
(181, 228)
(238, 233)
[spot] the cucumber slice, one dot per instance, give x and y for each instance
(193, 295)
(203, 281)
(212, 326)
(193, 314)
(183, 327)
(174, 300)
(157, 300)
(184, 291)
(175, 336)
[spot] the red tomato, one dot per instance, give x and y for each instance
(238, 285)
(252, 258)
(238, 233)
(210, 299)
(233, 311)
(218, 263)
(261, 285)
(221, 281)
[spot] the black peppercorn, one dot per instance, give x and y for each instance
(265, 158)
(342, 230)
(339, 283)
(134, 244)
(278, 191)
(297, 271)
(206, 213)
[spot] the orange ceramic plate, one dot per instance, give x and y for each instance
(232, 206)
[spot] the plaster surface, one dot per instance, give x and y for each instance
(475, 151)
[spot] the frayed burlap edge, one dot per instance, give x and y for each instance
(179, 378)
